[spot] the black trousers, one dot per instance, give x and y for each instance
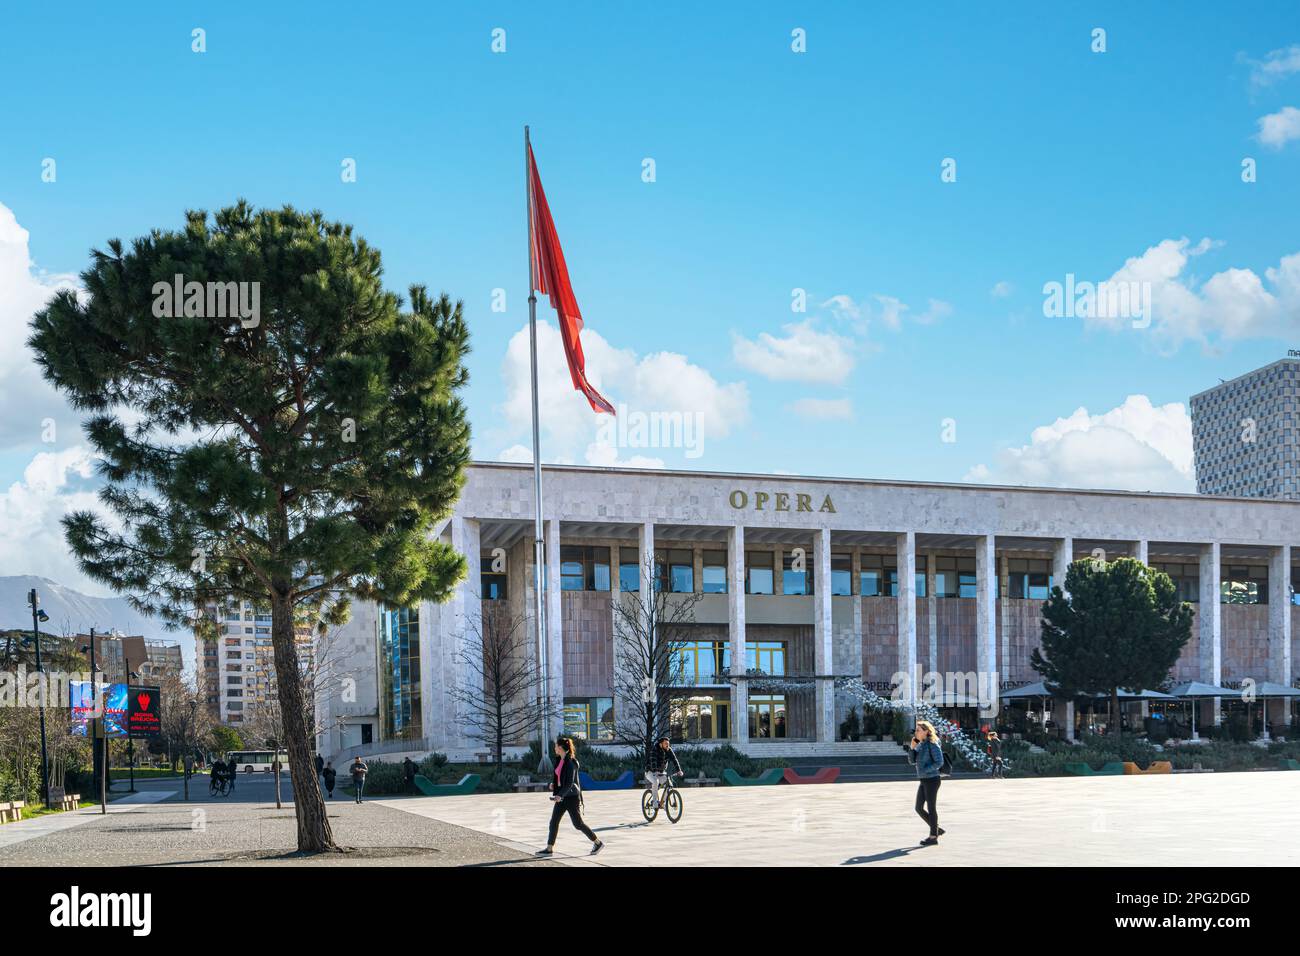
(927, 803)
(573, 807)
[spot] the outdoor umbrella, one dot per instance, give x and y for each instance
(1270, 690)
(1195, 689)
(1039, 689)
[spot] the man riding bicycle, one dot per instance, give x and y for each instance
(656, 771)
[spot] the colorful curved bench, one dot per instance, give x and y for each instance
(824, 775)
(624, 781)
(468, 784)
(1112, 768)
(1158, 766)
(768, 778)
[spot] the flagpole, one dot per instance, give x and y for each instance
(539, 541)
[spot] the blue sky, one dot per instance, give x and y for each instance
(774, 171)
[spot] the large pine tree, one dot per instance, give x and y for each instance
(1121, 626)
(296, 457)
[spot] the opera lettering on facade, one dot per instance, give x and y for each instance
(779, 501)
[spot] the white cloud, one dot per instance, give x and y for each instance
(828, 409)
(661, 382)
(1001, 289)
(31, 536)
(803, 354)
(1277, 65)
(1278, 129)
(26, 397)
(1136, 447)
(1235, 303)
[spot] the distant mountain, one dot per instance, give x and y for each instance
(72, 612)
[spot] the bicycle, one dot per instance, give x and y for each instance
(672, 801)
(217, 786)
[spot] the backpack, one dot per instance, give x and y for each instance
(945, 768)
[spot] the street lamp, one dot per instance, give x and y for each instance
(39, 616)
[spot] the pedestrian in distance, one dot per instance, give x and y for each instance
(358, 776)
(927, 756)
(995, 753)
(320, 765)
(408, 767)
(566, 795)
(330, 775)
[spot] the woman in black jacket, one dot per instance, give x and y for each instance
(566, 794)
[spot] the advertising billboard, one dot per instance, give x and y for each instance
(143, 714)
(84, 711)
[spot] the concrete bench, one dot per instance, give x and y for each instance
(1112, 768)
(11, 811)
(71, 801)
(624, 781)
(824, 775)
(467, 785)
(701, 781)
(526, 784)
(1158, 766)
(768, 778)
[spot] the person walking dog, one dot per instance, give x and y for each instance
(566, 794)
(926, 755)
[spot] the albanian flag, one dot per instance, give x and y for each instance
(551, 277)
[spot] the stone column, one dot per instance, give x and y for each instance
(1062, 558)
(986, 617)
(736, 630)
(1140, 550)
(905, 550)
(461, 621)
(1279, 629)
(823, 631)
(931, 615)
(1209, 618)
(554, 628)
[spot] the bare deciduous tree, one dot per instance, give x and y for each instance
(649, 637)
(499, 694)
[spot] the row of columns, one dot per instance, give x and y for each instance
(463, 615)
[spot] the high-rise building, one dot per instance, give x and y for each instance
(1246, 434)
(237, 669)
(162, 657)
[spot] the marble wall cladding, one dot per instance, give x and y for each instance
(1245, 641)
(879, 639)
(588, 644)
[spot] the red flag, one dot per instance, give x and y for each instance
(552, 279)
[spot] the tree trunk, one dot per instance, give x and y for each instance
(1114, 703)
(314, 834)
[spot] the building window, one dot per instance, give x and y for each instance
(699, 717)
(589, 718)
(879, 575)
(584, 568)
(758, 572)
(715, 572)
(701, 662)
(492, 584)
(399, 673)
(1186, 578)
(1029, 579)
(629, 569)
(841, 574)
(675, 570)
(954, 577)
(766, 656)
(1241, 584)
(796, 582)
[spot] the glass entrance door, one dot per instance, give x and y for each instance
(767, 716)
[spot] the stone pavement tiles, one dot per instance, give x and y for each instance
(1247, 819)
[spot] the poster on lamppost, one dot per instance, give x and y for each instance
(85, 710)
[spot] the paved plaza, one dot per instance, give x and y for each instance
(1228, 819)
